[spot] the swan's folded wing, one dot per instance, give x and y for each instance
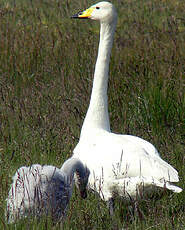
(137, 187)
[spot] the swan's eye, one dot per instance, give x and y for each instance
(97, 7)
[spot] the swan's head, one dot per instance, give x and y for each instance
(82, 181)
(102, 11)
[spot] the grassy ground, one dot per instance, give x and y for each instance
(46, 72)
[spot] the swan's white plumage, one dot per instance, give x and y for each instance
(44, 190)
(113, 159)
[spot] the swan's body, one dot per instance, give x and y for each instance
(44, 190)
(118, 163)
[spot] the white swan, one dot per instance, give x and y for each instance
(44, 190)
(118, 164)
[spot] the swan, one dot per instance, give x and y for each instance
(45, 190)
(118, 164)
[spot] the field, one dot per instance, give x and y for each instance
(46, 72)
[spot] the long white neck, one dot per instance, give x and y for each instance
(97, 116)
(71, 166)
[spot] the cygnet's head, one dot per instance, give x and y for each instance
(102, 11)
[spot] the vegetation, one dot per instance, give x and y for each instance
(46, 73)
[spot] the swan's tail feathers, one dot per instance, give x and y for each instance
(173, 188)
(167, 185)
(172, 175)
(136, 187)
(164, 171)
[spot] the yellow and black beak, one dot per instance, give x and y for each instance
(83, 14)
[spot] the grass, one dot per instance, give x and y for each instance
(46, 72)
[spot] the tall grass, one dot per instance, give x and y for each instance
(46, 72)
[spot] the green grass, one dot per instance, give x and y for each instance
(46, 72)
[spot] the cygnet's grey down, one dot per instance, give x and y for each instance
(45, 190)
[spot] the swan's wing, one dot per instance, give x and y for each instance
(137, 187)
(114, 156)
(149, 148)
